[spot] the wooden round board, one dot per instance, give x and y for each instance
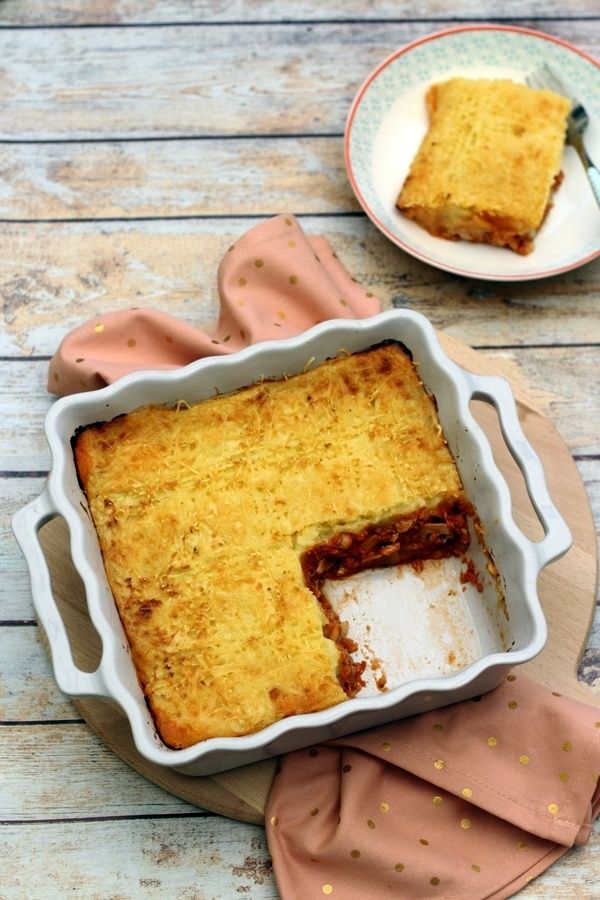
(567, 592)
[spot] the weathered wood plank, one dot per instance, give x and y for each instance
(176, 80)
(174, 178)
(195, 859)
(53, 277)
(14, 582)
(28, 692)
(22, 442)
(98, 783)
(102, 12)
(192, 859)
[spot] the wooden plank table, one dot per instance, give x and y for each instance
(138, 139)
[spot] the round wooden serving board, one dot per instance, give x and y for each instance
(567, 592)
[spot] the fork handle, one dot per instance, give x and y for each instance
(591, 171)
(594, 177)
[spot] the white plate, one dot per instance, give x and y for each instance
(388, 120)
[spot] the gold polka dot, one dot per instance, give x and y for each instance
(288, 221)
(80, 360)
(327, 889)
(552, 808)
(346, 768)
(370, 823)
(343, 302)
(242, 282)
(369, 294)
(293, 279)
(240, 303)
(259, 263)
(131, 342)
(467, 792)
(476, 868)
(439, 764)
(492, 741)
(229, 249)
(214, 342)
(56, 376)
(567, 746)
(521, 846)
(556, 694)
(512, 704)
(384, 807)
(314, 811)
(99, 327)
(82, 382)
(438, 726)
(596, 724)
(274, 820)
(424, 842)
(355, 854)
(399, 867)
(511, 677)
(291, 244)
(524, 759)
(465, 823)
(386, 747)
(437, 801)
(434, 881)
(564, 776)
(317, 258)
(281, 313)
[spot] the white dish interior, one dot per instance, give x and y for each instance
(518, 559)
(411, 622)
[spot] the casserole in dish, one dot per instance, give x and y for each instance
(519, 631)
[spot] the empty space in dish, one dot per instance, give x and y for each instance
(417, 621)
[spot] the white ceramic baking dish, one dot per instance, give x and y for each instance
(518, 559)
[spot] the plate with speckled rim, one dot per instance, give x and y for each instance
(388, 120)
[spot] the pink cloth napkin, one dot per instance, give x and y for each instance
(467, 802)
(463, 803)
(274, 282)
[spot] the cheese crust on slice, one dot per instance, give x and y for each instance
(487, 166)
(208, 517)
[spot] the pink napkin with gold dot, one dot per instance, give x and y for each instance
(463, 803)
(273, 283)
(471, 801)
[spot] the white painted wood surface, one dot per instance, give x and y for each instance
(131, 156)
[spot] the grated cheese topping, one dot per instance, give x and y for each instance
(203, 512)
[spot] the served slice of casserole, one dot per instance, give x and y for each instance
(219, 522)
(488, 163)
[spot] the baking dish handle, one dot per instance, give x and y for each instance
(557, 537)
(71, 680)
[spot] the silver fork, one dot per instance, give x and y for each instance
(577, 120)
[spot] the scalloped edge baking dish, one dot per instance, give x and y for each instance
(518, 559)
